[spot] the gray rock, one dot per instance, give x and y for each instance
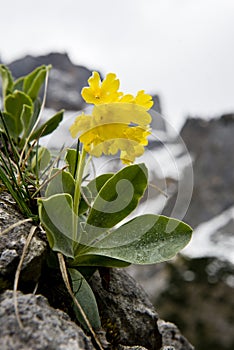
(127, 315)
(12, 244)
(198, 298)
(172, 338)
(158, 122)
(157, 105)
(211, 144)
(122, 347)
(44, 328)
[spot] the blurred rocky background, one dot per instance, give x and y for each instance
(195, 290)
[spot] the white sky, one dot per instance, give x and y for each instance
(181, 49)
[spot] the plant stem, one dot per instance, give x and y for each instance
(77, 193)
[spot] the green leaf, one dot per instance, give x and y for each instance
(11, 124)
(7, 81)
(56, 216)
(85, 200)
(41, 160)
(15, 106)
(71, 160)
(34, 81)
(36, 113)
(147, 239)
(86, 299)
(96, 184)
(18, 84)
(119, 196)
(97, 260)
(63, 182)
(48, 127)
(26, 117)
(91, 191)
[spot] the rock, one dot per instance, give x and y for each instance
(129, 317)
(158, 122)
(213, 238)
(12, 244)
(122, 347)
(172, 338)
(126, 312)
(211, 144)
(65, 80)
(157, 104)
(198, 298)
(44, 328)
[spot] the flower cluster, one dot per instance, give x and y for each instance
(118, 122)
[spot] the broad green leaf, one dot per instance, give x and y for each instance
(119, 196)
(7, 81)
(96, 184)
(71, 160)
(97, 260)
(86, 299)
(62, 182)
(41, 160)
(26, 117)
(34, 81)
(147, 239)
(11, 124)
(85, 200)
(49, 126)
(18, 84)
(91, 191)
(56, 216)
(14, 105)
(36, 113)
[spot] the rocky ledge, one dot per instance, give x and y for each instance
(129, 320)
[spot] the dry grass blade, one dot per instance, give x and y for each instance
(17, 274)
(63, 269)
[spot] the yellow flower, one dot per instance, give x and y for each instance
(141, 99)
(101, 92)
(106, 91)
(128, 113)
(110, 138)
(118, 122)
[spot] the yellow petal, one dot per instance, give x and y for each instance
(144, 100)
(128, 98)
(121, 113)
(94, 81)
(110, 84)
(82, 123)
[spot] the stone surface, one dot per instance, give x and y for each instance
(122, 347)
(172, 338)
(129, 317)
(126, 313)
(199, 299)
(211, 144)
(44, 328)
(12, 244)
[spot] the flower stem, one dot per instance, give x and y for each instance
(78, 181)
